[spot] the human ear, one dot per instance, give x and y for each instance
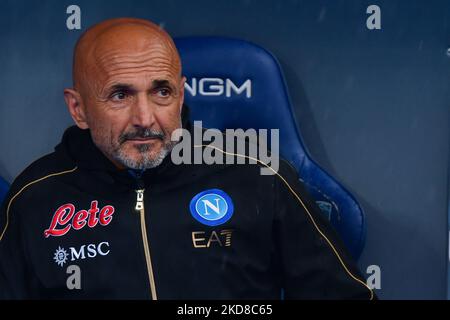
(76, 108)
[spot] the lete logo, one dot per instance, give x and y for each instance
(65, 218)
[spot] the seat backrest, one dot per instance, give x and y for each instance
(235, 84)
(4, 187)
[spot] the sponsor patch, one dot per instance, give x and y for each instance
(212, 207)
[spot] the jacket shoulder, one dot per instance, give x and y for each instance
(47, 165)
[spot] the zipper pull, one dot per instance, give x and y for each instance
(139, 199)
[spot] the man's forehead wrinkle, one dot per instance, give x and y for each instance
(122, 56)
(154, 66)
(152, 59)
(122, 76)
(150, 69)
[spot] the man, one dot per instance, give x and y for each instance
(108, 215)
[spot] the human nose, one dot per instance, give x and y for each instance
(143, 112)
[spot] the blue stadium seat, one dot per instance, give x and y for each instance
(235, 84)
(4, 187)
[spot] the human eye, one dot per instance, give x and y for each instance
(163, 92)
(119, 95)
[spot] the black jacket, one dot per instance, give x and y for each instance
(71, 215)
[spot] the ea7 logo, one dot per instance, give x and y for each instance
(61, 256)
(217, 87)
(202, 239)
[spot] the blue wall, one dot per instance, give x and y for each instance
(374, 106)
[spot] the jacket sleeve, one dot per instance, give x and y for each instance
(13, 263)
(314, 262)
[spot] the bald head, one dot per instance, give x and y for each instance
(128, 90)
(104, 42)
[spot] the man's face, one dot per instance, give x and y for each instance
(133, 103)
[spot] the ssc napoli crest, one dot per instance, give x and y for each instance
(211, 207)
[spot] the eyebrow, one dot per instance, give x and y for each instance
(130, 88)
(121, 87)
(161, 83)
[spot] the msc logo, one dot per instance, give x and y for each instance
(61, 256)
(212, 207)
(217, 87)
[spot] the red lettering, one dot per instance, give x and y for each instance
(106, 215)
(65, 218)
(79, 220)
(93, 214)
(58, 218)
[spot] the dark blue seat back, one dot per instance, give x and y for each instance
(4, 187)
(235, 84)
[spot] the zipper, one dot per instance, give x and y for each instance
(148, 259)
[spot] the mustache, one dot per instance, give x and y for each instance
(141, 133)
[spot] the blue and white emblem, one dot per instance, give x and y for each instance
(212, 207)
